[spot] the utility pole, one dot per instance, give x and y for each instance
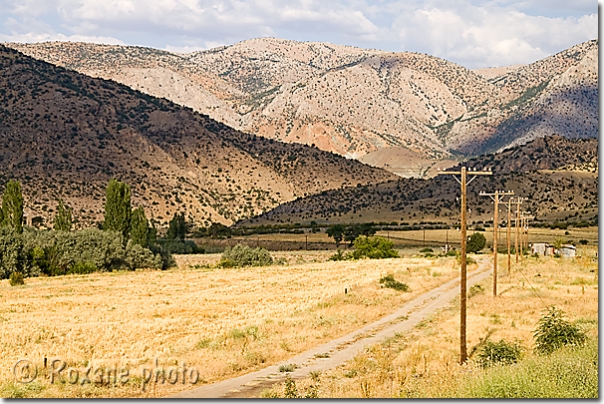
(463, 350)
(518, 202)
(495, 197)
(508, 232)
(526, 216)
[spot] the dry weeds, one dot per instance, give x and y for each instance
(424, 362)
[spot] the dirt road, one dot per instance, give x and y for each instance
(342, 349)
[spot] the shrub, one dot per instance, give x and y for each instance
(502, 352)
(16, 279)
(426, 250)
(180, 246)
(82, 268)
(373, 247)
(388, 281)
(244, 256)
(287, 368)
(475, 290)
(476, 242)
(137, 256)
(553, 332)
(338, 256)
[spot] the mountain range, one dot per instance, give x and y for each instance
(65, 135)
(406, 112)
(558, 176)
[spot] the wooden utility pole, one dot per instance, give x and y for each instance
(526, 216)
(508, 235)
(495, 197)
(518, 202)
(463, 350)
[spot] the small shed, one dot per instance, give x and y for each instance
(538, 248)
(568, 251)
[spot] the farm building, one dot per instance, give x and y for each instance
(539, 248)
(548, 249)
(568, 251)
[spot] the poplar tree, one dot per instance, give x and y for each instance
(139, 227)
(63, 220)
(178, 227)
(117, 208)
(12, 206)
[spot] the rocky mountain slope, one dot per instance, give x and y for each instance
(559, 177)
(64, 134)
(356, 102)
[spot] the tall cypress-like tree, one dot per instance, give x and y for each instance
(63, 217)
(117, 208)
(139, 227)
(178, 227)
(12, 206)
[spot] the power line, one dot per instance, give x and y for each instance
(495, 197)
(463, 350)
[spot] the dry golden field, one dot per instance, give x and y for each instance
(424, 363)
(220, 322)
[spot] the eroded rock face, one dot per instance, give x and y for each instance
(354, 101)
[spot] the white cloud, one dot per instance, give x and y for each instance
(473, 33)
(477, 36)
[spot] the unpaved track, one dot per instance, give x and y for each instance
(342, 349)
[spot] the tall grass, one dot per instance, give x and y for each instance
(567, 373)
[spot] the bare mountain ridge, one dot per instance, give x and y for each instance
(64, 134)
(355, 101)
(558, 175)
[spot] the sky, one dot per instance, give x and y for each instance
(472, 33)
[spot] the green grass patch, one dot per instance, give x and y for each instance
(570, 372)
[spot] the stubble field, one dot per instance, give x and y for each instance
(221, 322)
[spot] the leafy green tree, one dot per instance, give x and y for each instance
(63, 217)
(139, 227)
(12, 206)
(178, 227)
(12, 256)
(476, 242)
(117, 208)
(337, 232)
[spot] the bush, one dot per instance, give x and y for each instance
(180, 246)
(16, 279)
(338, 256)
(475, 290)
(373, 247)
(388, 281)
(426, 250)
(502, 352)
(82, 268)
(137, 256)
(244, 256)
(476, 242)
(553, 332)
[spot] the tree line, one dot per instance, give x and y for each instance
(125, 240)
